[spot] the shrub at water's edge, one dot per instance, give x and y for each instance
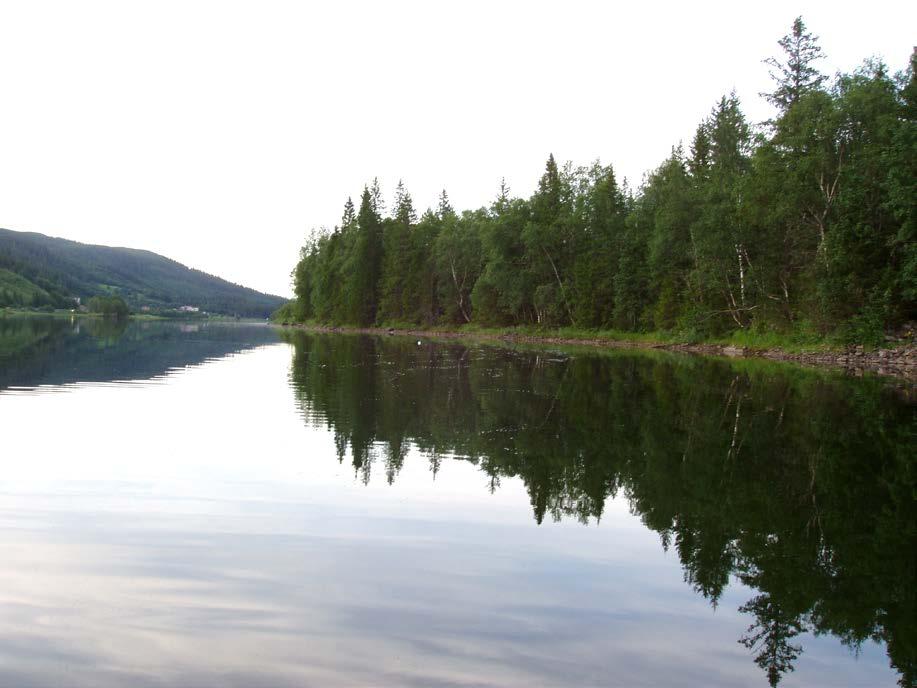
(109, 306)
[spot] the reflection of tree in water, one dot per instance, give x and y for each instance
(770, 636)
(799, 483)
(109, 330)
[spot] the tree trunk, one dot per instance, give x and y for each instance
(459, 288)
(563, 292)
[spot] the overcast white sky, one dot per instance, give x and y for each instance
(217, 133)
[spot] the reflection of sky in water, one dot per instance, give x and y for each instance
(194, 532)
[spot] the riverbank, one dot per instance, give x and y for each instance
(898, 360)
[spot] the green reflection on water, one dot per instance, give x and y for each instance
(799, 483)
(59, 351)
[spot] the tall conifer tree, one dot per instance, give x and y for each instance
(795, 75)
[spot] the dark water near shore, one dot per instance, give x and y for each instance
(231, 505)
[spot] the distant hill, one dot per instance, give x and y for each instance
(38, 270)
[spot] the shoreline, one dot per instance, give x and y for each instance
(12, 312)
(899, 362)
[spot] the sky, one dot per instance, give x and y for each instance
(219, 133)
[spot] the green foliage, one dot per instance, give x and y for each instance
(458, 259)
(362, 272)
(24, 285)
(808, 226)
(795, 75)
(502, 295)
(397, 259)
(287, 313)
(18, 291)
(109, 306)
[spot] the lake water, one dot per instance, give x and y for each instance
(232, 505)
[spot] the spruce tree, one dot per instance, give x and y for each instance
(404, 206)
(397, 258)
(377, 201)
(364, 265)
(444, 208)
(549, 248)
(699, 162)
(601, 224)
(795, 75)
(350, 215)
(503, 196)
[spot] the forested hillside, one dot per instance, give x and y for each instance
(37, 270)
(23, 285)
(803, 225)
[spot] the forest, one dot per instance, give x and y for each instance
(802, 226)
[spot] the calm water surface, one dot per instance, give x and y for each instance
(229, 505)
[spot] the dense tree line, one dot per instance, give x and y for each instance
(798, 483)
(805, 223)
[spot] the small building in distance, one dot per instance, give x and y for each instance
(189, 309)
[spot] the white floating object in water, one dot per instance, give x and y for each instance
(418, 342)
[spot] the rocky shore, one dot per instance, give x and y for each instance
(899, 360)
